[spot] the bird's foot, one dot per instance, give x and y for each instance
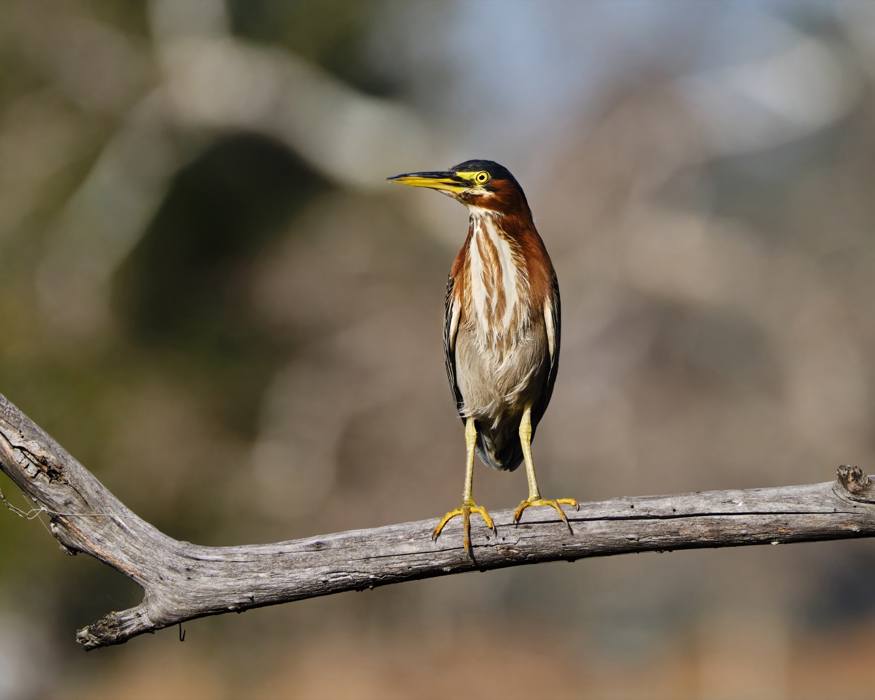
(554, 503)
(465, 510)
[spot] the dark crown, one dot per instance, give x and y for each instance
(499, 172)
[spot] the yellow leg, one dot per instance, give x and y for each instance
(468, 505)
(534, 498)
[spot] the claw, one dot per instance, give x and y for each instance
(465, 511)
(554, 503)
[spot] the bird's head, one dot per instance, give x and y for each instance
(474, 183)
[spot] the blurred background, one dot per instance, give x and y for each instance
(211, 296)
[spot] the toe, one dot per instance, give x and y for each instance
(555, 506)
(562, 515)
(483, 513)
(443, 521)
(518, 513)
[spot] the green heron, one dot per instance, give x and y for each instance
(501, 329)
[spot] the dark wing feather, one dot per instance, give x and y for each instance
(556, 313)
(450, 345)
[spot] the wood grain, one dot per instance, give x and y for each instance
(182, 581)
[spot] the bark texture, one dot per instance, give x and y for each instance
(182, 581)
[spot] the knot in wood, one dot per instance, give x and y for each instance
(853, 479)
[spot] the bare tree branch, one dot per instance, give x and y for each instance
(183, 581)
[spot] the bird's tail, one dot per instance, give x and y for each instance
(499, 449)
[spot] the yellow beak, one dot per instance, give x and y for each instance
(443, 181)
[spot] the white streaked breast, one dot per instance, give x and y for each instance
(508, 273)
(485, 232)
(478, 289)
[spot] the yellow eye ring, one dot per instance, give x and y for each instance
(481, 177)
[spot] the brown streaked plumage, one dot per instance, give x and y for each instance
(502, 327)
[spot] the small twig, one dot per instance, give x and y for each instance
(26, 514)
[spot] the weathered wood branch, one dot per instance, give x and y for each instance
(183, 581)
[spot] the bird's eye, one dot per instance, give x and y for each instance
(481, 178)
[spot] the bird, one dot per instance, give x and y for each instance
(502, 327)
